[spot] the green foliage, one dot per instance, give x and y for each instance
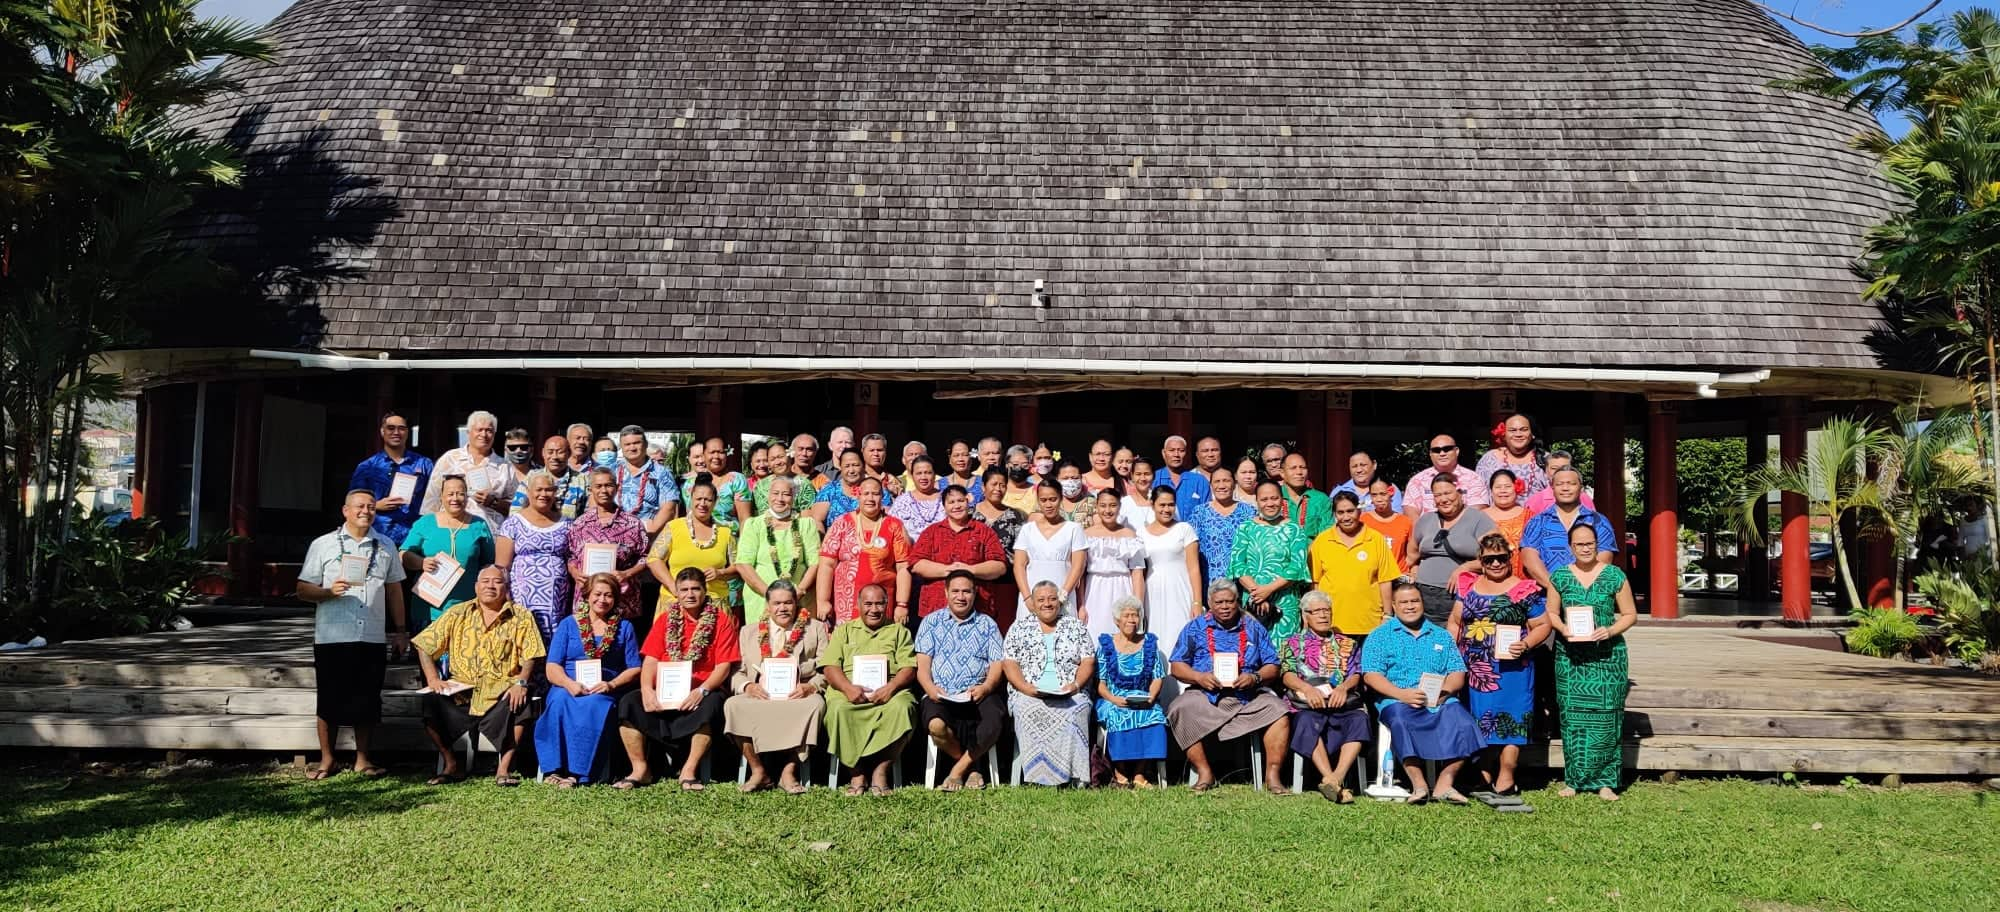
(126, 577)
(1883, 633)
(1964, 594)
(1707, 473)
(1832, 478)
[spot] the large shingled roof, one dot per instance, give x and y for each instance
(1602, 183)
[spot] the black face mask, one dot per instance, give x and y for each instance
(519, 457)
(1019, 474)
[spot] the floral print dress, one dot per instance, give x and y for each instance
(1499, 692)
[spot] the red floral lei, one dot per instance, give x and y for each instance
(594, 647)
(791, 642)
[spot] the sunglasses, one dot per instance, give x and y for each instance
(1495, 559)
(1444, 449)
(403, 428)
(520, 446)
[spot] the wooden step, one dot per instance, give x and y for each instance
(192, 731)
(153, 700)
(1801, 755)
(1760, 723)
(1792, 698)
(62, 670)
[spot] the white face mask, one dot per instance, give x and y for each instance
(1071, 487)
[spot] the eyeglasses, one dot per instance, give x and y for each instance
(400, 428)
(1444, 449)
(1495, 559)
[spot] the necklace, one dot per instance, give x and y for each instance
(704, 631)
(593, 646)
(784, 562)
(791, 642)
(1242, 643)
(713, 534)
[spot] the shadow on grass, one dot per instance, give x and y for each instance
(36, 839)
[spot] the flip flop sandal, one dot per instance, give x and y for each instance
(445, 779)
(1414, 800)
(1454, 798)
(372, 772)
(854, 791)
(794, 789)
(692, 785)
(1330, 792)
(975, 782)
(1346, 797)
(1200, 787)
(628, 784)
(951, 784)
(879, 790)
(507, 781)
(322, 774)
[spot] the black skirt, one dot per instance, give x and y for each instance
(348, 680)
(453, 718)
(975, 724)
(670, 726)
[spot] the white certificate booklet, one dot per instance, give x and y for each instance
(1582, 622)
(781, 677)
(354, 568)
(589, 672)
(434, 587)
(404, 485)
(871, 671)
(599, 557)
(1228, 667)
(477, 481)
(1504, 638)
(1432, 684)
(448, 688)
(676, 682)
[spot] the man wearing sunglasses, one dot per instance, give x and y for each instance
(1417, 498)
(377, 475)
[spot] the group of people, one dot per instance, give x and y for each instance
(582, 596)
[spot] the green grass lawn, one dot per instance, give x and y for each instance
(239, 840)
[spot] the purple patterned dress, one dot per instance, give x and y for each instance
(540, 575)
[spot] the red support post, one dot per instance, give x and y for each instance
(1663, 544)
(730, 427)
(149, 474)
(1180, 416)
(867, 409)
(545, 411)
(1026, 428)
(1795, 563)
(243, 488)
(1339, 436)
(708, 413)
(1608, 433)
(1311, 413)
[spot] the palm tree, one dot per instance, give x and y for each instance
(1926, 475)
(1834, 480)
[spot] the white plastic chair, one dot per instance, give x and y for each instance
(1256, 740)
(992, 763)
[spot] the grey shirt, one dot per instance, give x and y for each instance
(1437, 559)
(357, 616)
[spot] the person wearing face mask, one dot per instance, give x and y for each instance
(778, 544)
(604, 453)
(1020, 494)
(1044, 465)
(1074, 499)
(519, 451)
(1190, 484)
(489, 482)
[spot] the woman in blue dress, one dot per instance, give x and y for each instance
(1215, 524)
(571, 735)
(1129, 672)
(1500, 681)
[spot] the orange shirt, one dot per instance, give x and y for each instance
(1397, 530)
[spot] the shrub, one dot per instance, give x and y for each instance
(1883, 633)
(118, 578)
(1963, 594)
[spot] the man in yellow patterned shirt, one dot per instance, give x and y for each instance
(494, 646)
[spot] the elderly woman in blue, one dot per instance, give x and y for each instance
(1129, 674)
(578, 717)
(1233, 708)
(1394, 660)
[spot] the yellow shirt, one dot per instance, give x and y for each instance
(1352, 575)
(678, 549)
(490, 659)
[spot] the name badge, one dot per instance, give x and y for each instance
(1361, 556)
(877, 542)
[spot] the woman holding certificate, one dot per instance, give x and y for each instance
(1414, 667)
(697, 541)
(870, 665)
(593, 658)
(533, 547)
(1591, 607)
(448, 548)
(1499, 618)
(778, 544)
(1049, 666)
(777, 706)
(609, 540)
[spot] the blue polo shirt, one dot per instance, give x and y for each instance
(1192, 492)
(960, 651)
(377, 472)
(1395, 495)
(1394, 653)
(645, 489)
(1546, 534)
(1248, 635)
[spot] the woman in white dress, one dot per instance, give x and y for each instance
(1116, 566)
(1135, 509)
(1173, 570)
(1051, 549)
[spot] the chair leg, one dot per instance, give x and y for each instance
(742, 774)
(1257, 760)
(702, 768)
(1298, 774)
(930, 764)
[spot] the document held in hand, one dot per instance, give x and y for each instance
(676, 682)
(1504, 638)
(434, 587)
(589, 672)
(354, 568)
(1582, 622)
(478, 481)
(781, 677)
(404, 486)
(599, 557)
(871, 671)
(1432, 684)
(1228, 667)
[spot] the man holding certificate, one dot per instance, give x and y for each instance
(354, 579)
(959, 656)
(494, 647)
(397, 476)
(1227, 663)
(608, 539)
(777, 706)
(1414, 666)
(689, 656)
(869, 667)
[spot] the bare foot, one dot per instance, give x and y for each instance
(756, 783)
(1607, 794)
(1566, 792)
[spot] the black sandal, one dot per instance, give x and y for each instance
(446, 779)
(628, 784)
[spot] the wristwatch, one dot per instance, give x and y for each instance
(520, 683)
(703, 691)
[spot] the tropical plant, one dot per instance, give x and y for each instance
(1833, 479)
(1883, 633)
(1965, 595)
(99, 164)
(124, 577)
(1926, 477)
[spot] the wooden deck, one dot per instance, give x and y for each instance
(1704, 698)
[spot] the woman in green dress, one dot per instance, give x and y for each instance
(1268, 559)
(1591, 668)
(779, 543)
